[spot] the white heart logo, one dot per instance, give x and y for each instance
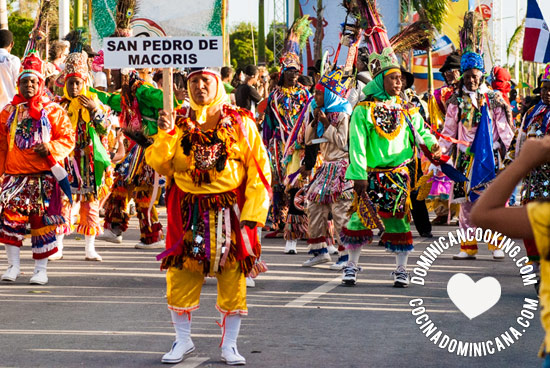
(473, 298)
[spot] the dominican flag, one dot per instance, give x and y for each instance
(536, 42)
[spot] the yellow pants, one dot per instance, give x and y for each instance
(184, 290)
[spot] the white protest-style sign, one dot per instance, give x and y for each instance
(163, 52)
(473, 298)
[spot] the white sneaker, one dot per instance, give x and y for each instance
(40, 277)
(231, 356)
(11, 273)
(498, 254)
(400, 277)
(349, 276)
(463, 255)
(56, 256)
(332, 250)
(290, 247)
(318, 259)
(157, 245)
(250, 282)
(340, 263)
(93, 256)
(109, 236)
(178, 352)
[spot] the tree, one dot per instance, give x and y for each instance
(20, 27)
(280, 34)
(240, 45)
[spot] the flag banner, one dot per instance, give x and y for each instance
(536, 41)
(483, 167)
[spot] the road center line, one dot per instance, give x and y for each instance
(315, 293)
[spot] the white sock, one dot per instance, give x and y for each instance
(40, 265)
(90, 244)
(182, 325)
(13, 254)
(59, 242)
(232, 328)
(401, 259)
(354, 255)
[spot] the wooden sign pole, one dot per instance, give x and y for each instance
(168, 93)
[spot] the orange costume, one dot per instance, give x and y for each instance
(29, 192)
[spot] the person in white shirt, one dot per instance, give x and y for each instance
(356, 94)
(9, 68)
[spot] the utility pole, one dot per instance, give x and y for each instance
(261, 33)
(64, 18)
(3, 14)
(78, 14)
(516, 64)
(319, 32)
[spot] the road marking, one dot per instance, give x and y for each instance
(315, 293)
(97, 351)
(191, 362)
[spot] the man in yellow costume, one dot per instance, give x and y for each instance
(219, 172)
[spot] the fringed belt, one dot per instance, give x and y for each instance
(210, 232)
(27, 194)
(329, 184)
(389, 190)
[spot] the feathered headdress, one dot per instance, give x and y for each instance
(417, 36)
(125, 10)
(295, 41)
(38, 35)
(471, 33)
(471, 42)
(382, 56)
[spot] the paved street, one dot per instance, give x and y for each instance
(113, 313)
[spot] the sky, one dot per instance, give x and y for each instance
(247, 11)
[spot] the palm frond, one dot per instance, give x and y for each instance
(434, 11)
(417, 36)
(515, 41)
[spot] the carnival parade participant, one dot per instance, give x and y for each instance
(285, 114)
(35, 135)
(329, 191)
(464, 114)
(134, 178)
(419, 211)
(219, 171)
(88, 162)
(438, 198)
(536, 185)
(381, 147)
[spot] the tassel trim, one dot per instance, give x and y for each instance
(353, 239)
(153, 235)
(470, 247)
(258, 268)
(6, 239)
(89, 230)
(397, 242)
(296, 227)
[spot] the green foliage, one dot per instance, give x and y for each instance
(280, 34)
(240, 45)
(20, 27)
(432, 10)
